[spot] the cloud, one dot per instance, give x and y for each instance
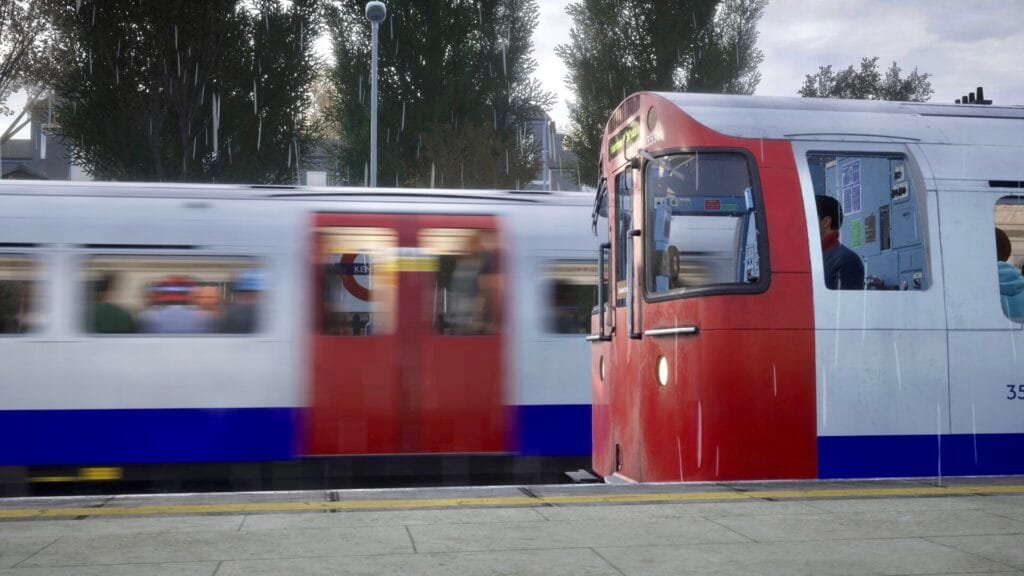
(962, 45)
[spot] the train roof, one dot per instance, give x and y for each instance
(256, 192)
(869, 120)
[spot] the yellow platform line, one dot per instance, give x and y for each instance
(506, 501)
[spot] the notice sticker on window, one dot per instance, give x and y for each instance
(849, 185)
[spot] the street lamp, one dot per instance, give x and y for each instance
(375, 13)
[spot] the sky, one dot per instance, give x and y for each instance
(962, 44)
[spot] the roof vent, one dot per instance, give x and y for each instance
(977, 97)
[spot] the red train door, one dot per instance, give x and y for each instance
(406, 346)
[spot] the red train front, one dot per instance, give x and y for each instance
(696, 341)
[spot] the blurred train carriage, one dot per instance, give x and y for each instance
(255, 335)
(719, 352)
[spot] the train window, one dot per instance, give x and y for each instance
(572, 293)
(19, 294)
(358, 281)
(870, 224)
(623, 224)
(152, 294)
(466, 299)
(1009, 232)
(703, 223)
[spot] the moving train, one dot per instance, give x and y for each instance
(275, 334)
(722, 346)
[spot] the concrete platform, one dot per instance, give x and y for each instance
(918, 527)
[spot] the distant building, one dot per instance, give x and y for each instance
(558, 166)
(40, 157)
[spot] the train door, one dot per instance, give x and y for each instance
(603, 456)
(986, 341)
(881, 341)
(407, 350)
(719, 348)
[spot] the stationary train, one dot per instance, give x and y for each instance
(151, 330)
(721, 351)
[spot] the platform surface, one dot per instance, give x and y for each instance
(920, 527)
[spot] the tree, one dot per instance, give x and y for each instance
(186, 91)
(455, 92)
(21, 26)
(617, 47)
(867, 83)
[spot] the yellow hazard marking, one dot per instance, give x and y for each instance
(91, 474)
(522, 501)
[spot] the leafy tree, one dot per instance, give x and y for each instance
(617, 47)
(455, 92)
(187, 91)
(867, 83)
(21, 26)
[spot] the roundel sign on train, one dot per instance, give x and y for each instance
(354, 271)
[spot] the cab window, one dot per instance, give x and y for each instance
(702, 222)
(874, 238)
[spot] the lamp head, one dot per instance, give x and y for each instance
(376, 11)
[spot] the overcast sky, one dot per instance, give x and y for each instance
(962, 44)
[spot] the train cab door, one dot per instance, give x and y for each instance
(600, 341)
(621, 386)
(407, 341)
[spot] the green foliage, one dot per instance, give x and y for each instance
(184, 91)
(455, 92)
(867, 83)
(617, 47)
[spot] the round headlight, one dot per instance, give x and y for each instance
(662, 371)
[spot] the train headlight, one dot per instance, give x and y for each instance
(662, 371)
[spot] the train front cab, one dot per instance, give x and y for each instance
(724, 353)
(704, 368)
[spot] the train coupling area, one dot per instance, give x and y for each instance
(922, 526)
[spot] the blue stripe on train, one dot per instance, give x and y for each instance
(54, 437)
(919, 455)
(554, 430)
(140, 436)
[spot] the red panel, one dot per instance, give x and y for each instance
(460, 398)
(740, 401)
(355, 404)
(412, 391)
(460, 402)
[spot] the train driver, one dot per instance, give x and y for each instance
(843, 268)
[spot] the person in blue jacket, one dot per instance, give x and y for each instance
(1011, 283)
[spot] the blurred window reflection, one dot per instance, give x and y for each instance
(467, 294)
(143, 294)
(358, 281)
(573, 295)
(19, 298)
(702, 222)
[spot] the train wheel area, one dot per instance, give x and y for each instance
(929, 526)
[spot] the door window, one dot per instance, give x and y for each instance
(466, 295)
(19, 294)
(358, 275)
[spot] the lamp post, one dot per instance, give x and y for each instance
(375, 13)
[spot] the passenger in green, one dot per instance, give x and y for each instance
(105, 317)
